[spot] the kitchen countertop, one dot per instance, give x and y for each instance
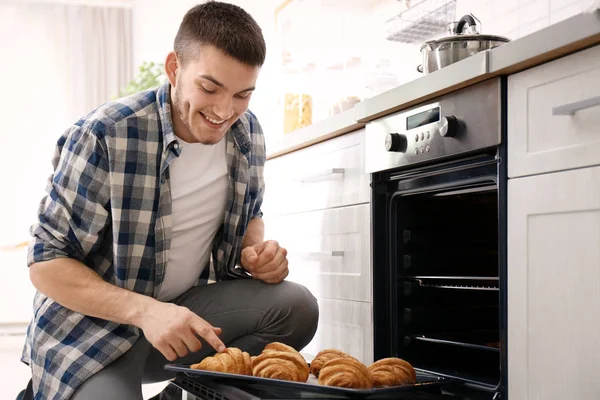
(558, 40)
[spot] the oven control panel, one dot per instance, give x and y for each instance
(460, 122)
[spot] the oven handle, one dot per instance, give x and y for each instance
(572, 108)
(479, 174)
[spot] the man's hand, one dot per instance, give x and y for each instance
(266, 261)
(173, 330)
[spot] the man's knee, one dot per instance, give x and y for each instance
(300, 311)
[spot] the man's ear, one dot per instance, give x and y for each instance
(172, 67)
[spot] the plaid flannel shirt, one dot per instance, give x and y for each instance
(108, 205)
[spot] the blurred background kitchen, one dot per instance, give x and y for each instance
(61, 58)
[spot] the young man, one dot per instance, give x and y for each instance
(144, 190)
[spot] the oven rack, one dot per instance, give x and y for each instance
(457, 282)
(460, 361)
(478, 340)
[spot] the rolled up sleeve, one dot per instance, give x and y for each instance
(73, 214)
(258, 164)
(256, 211)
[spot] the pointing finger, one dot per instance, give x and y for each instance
(206, 331)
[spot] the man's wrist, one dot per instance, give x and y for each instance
(138, 309)
(255, 233)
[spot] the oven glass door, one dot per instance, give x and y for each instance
(436, 270)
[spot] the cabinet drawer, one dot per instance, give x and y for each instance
(328, 251)
(346, 326)
(328, 174)
(554, 115)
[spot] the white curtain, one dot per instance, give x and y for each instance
(57, 63)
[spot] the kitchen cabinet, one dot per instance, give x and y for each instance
(554, 229)
(554, 115)
(326, 175)
(554, 285)
(344, 325)
(317, 206)
(328, 250)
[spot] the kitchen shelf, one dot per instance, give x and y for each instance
(421, 21)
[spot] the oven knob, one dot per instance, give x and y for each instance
(396, 142)
(450, 126)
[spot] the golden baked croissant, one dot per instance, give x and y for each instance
(283, 365)
(345, 372)
(232, 361)
(278, 346)
(323, 356)
(392, 371)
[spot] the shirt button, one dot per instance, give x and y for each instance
(176, 146)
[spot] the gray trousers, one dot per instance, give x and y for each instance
(251, 314)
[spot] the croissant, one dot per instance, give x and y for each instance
(283, 365)
(232, 361)
(346, 373)
(392, 371)
(323, 356)
(278, 346)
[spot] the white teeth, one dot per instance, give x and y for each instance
(214, 121)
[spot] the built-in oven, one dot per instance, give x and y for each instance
(438, 181)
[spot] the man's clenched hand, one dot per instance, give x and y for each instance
(266, 261)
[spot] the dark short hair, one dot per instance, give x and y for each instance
(225, 26)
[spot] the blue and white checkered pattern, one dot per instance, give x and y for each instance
(108, 205)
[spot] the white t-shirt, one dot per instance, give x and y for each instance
(199, 181)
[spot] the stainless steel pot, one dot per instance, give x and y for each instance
(442, 52)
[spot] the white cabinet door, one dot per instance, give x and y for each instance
(328, 251)
(326, 175)
(346, 326)
(554, 115)
(554, 286)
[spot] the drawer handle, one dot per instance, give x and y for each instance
(572, 108)
(316, 255)
(323, 174)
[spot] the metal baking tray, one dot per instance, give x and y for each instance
(425, 382)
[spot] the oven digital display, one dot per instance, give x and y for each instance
(423, 118)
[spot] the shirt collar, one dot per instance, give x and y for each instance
(240, 131)
(166, 119)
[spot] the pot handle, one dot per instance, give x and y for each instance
(466, 20)
(420, 68)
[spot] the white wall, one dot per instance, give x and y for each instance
(517, 18)
(154, 28)
(94, 3)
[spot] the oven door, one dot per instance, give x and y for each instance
(438, 294)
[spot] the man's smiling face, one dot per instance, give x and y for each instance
(209, 93)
